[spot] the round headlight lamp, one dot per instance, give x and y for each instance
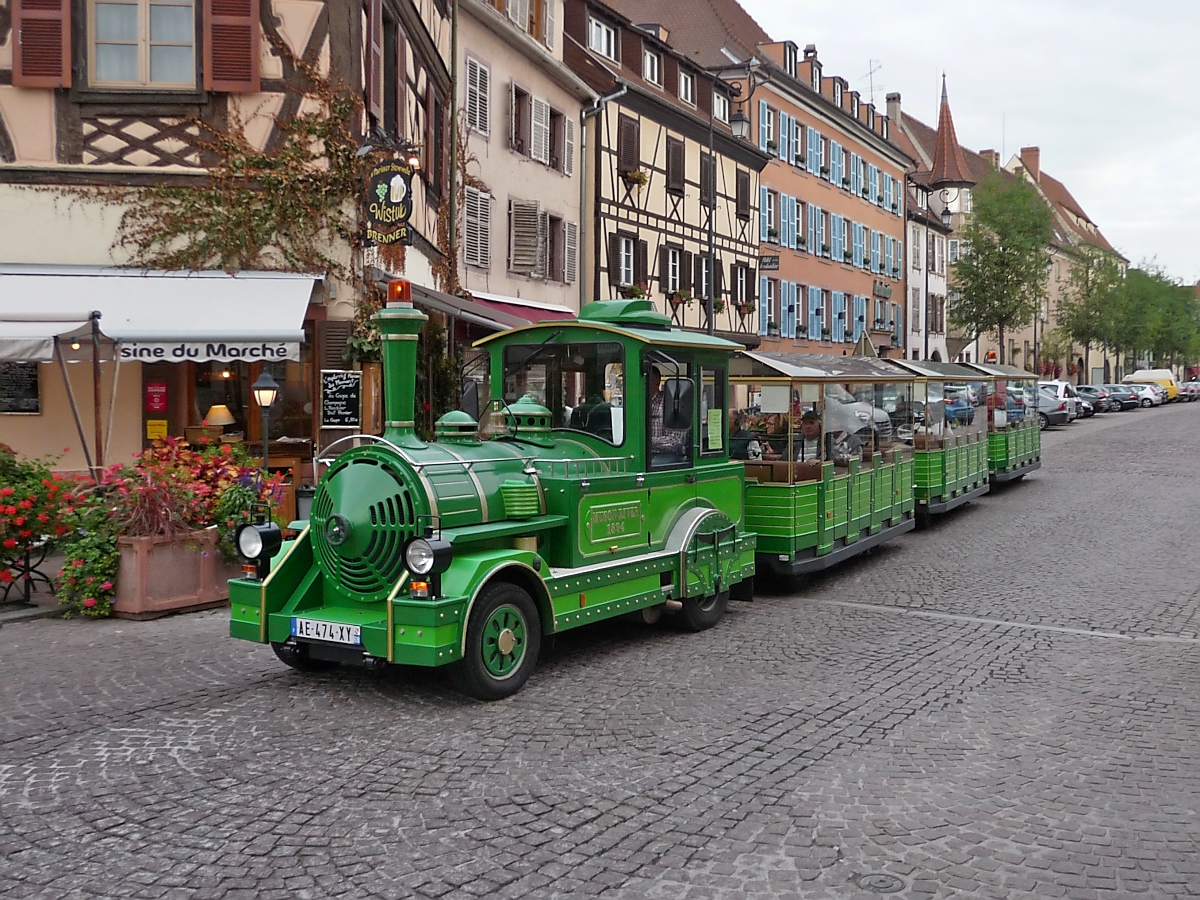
(427, 555)
(258, 540)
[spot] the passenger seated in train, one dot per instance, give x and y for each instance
(743, 443)
(594, 416)
(667, 445)
(838, 446)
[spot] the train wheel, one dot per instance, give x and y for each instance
(702, 613)
(503, 639)
(296, 656)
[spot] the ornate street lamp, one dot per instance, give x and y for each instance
(266, 390)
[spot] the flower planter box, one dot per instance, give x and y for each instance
(161, 575)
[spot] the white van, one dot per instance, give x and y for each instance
(1165, 377)
(1063, 391)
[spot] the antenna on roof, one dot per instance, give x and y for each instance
(873, 65)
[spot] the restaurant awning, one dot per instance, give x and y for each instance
(531, 311)
(155, 316)
(462, 308)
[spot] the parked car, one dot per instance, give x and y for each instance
(1147, 395)
(1062, 392)
(1122, 396)
(969, 391)
(958, 408)
(1085, 407)
(1051, 409)
(1097, 396)
(1163, 377)
(1189, 390)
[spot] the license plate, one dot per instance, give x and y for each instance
(334, 632)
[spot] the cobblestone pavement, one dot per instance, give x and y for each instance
(1003, 705)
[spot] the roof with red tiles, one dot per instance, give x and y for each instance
(1072, 213)
(699, 28)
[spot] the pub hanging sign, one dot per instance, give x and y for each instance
(389, 203)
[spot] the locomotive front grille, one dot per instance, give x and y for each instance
(362, 516)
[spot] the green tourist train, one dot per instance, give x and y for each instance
(616, 466)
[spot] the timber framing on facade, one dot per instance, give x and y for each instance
(652, 179)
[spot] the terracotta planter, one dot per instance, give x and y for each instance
(161, 575)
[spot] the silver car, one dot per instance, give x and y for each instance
(1051, 408)
(1147, 395)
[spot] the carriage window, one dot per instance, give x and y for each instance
(712, 412)
(582, 384)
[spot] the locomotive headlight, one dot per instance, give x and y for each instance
(258, 540)
(427, 555)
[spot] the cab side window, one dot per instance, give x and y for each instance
(669, 412)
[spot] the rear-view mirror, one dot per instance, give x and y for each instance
(678, 401)
(470, 398)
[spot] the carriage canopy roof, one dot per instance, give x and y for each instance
(942, 371)
(812, 366)
(1002, 371)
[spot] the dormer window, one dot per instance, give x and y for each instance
(789, 58)
(687, 88)
(652, 66)
(871, 117)
(602, 38)
(720, 105)
(854, 105)
(883, 125)
(816, 76)
(837, 93)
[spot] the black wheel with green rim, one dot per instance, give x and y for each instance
(702, 613)
(504, 635)
(297, 657)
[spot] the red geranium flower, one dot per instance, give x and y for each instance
(89, 602)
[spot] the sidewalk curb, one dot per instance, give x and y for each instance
(13, 616)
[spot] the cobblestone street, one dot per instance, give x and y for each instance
(1004, 705)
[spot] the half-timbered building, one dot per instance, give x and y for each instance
(654, 181)
(108, 94)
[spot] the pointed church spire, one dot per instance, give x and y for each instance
(949, 167)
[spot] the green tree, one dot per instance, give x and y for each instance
(1090, 298)
(1002, 276)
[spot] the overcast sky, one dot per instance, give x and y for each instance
(1106, 89)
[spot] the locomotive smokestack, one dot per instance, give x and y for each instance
(399, 324)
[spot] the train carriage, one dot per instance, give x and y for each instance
(604, 487)
(829, 470)
(949, 435)
(1014, 436)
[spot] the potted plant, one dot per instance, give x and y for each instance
(772, 234)
(801, 240)
(772, 145)
(801, 330)
(637, 291)
(157, 537)
(773, 328)
(799, 160)
(879, 199)
(825, 333)
(32, 499)
(896, 207)
(825, 249)
(848, 256)
(680, 298)
(825, 170)
(846, 181)
(747, 308)
(718, 305)
(636, 177)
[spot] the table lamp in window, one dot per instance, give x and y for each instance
(218, 417)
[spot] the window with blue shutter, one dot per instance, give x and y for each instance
(887, 255)
(839, 316)
(837, 238)
(858, 244)
(762, 304)
(835, 163)
(794, 300)
(855, 175)
(763, 214)
(796, 159)
(762, 125)
(814, 151)
(897, 324)
(873, 184)
(887, 191)
(875, 236)
(821, 230)
(785, 135)
(814, 313)
(860, 316)
(813, 246)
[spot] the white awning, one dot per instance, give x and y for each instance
(155, 316)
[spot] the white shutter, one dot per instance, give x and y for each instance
(478, 91)
(518, 11)
(477, 228)
(568, 165)
(543, 243)
(541, 131)
(524, 248)
(570, 263)
(549, 27)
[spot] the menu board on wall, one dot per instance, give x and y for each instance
(20, 390)
(341, 399)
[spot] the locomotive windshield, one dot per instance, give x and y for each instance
(582, 384)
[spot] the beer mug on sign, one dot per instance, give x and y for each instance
(397, 189)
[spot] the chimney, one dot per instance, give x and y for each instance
(1032, 158)
(810, 51)
(893, 106)
(399, 322)
(991, 157)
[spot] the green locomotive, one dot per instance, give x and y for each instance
(604, 487)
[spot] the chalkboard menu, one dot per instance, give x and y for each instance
(19, 389)
(341, 399)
